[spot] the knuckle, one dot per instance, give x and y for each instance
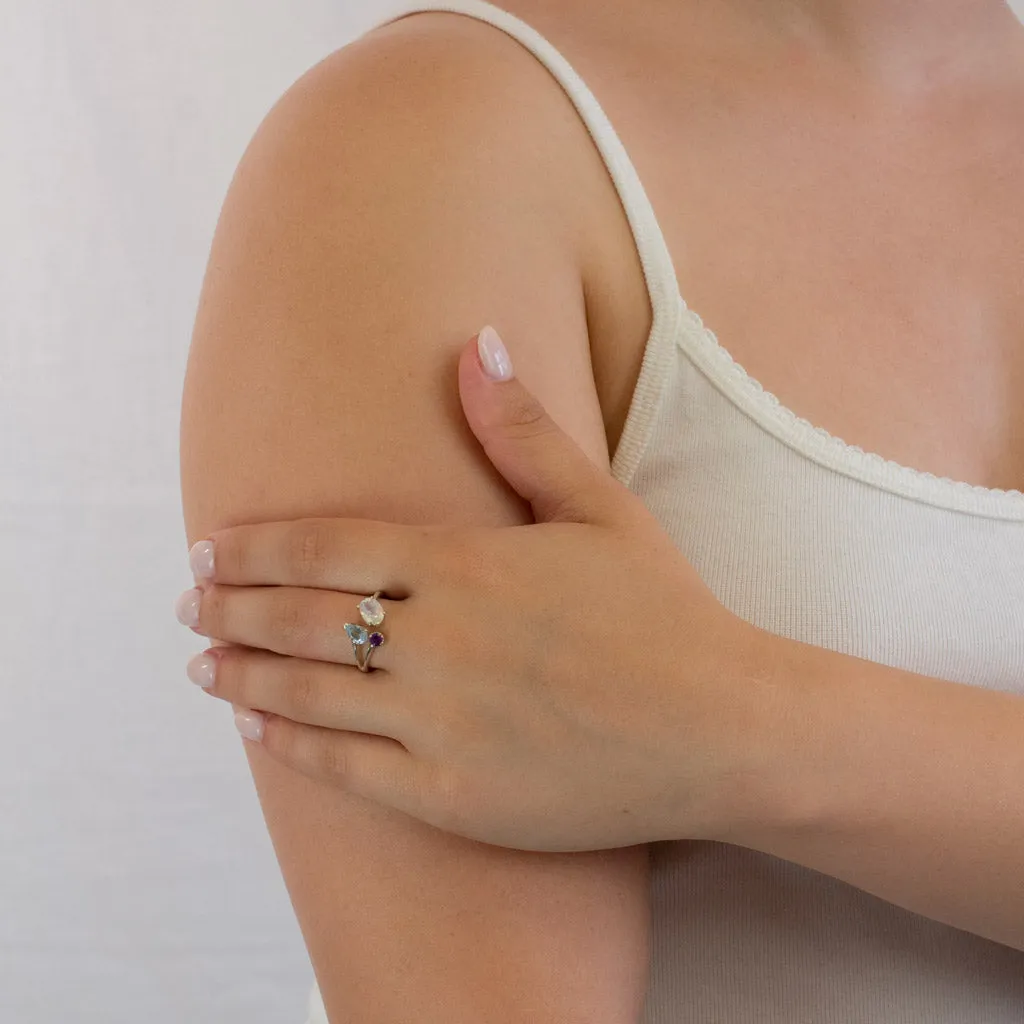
(300, 692)
(241, 678)
(288, 743)
(286, 617)
(429, 549)
(335, 762)
(308, 548)
(426, 546)
(424, 634)
(233, 554)
(231, 676)
(434, 633)
(524, 416)
(470, 558)
(279, 738)
(211, 611)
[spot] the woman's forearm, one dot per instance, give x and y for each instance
(904, 785)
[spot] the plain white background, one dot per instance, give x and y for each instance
(137, 879)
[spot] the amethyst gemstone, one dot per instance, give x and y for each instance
(376, 639)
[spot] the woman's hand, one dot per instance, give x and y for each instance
(566, 685)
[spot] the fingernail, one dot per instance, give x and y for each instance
(200, 559)
(493, 355)
(249, 724)
(202, 669)
(186, 608)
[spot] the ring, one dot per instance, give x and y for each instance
(365, 643)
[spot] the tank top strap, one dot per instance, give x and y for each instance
(659, 271)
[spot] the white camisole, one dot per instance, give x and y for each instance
(814, 539)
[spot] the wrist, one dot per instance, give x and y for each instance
(776, 783)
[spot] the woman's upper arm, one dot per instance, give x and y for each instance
(390, 205)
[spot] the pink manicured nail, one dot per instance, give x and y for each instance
(493, 354)
(186, 608)
(200, 559)
(249, 724)
(202, 669)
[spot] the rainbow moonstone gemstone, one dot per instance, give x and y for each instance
(371, 611)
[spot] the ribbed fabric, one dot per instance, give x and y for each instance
(817, 540)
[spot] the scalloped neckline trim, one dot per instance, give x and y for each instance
(817, 444)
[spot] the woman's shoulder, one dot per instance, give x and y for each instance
(435, 87)
(453, 80)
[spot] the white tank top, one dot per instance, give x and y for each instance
(814, 539)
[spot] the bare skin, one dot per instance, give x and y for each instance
(809, 287)
(840, 187)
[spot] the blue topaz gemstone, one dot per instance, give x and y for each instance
(357, 634)
(376, 639)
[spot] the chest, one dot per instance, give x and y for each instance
(865, 269)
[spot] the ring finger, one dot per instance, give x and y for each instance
(300, 622)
